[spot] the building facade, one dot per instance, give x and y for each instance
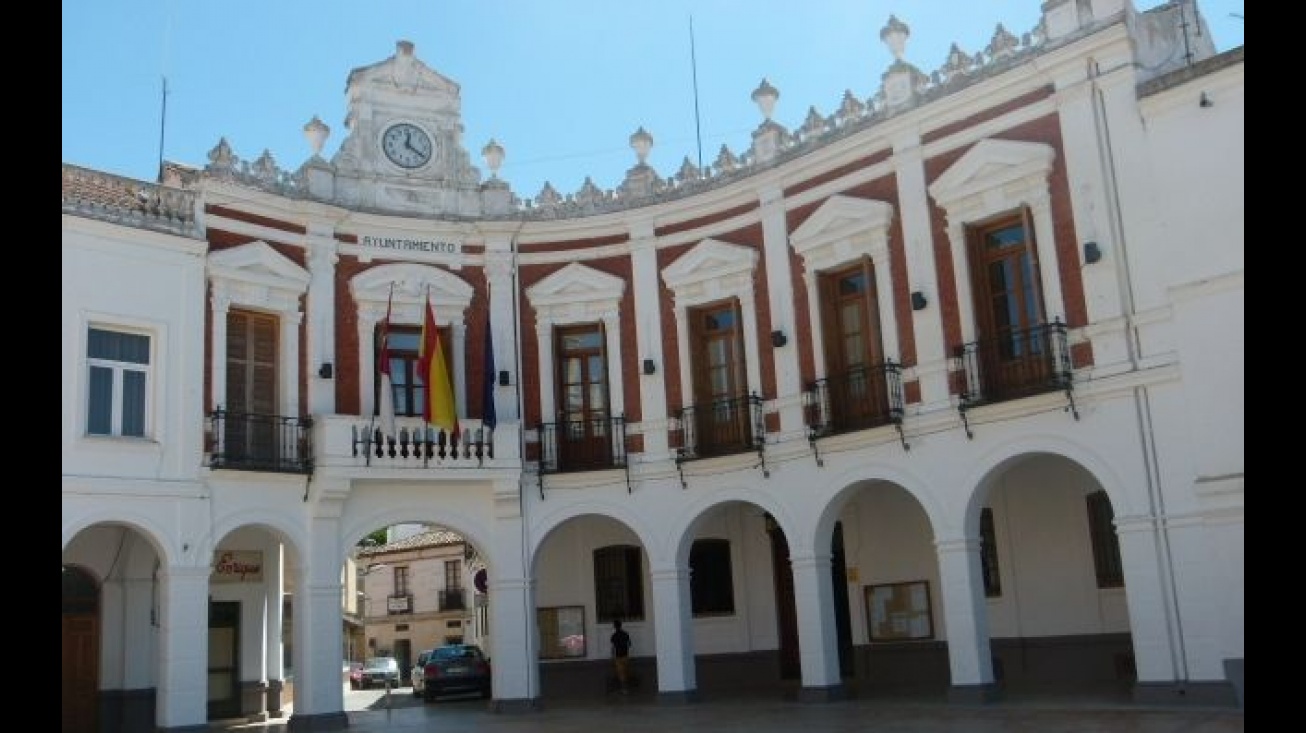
(941, 391)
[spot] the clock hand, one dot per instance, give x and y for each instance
(408, 142)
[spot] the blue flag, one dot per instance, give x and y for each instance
(488, 416)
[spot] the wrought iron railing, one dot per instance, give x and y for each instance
(1015, 364)
(245, 441)
(858, 399)
(720, 428)
(453, 599)
(590, 444)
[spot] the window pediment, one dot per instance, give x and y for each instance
(576, 283)
(449, 294)
(711, 260)
(1012, 166)
(255, 274)
(842, 229)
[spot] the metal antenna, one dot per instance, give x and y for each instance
(693, 65)
(163, 123)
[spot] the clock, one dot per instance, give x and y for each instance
(407, 145)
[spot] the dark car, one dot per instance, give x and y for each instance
(455, 669)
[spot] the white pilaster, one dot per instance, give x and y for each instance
(182, 698)
(673, 625)
(922, 275)
(320, 337)
(274, 574)
(218, 365)
(964, 612)
(498, 273)
(648, 334)
(780, 299)
(817, 637)
(1157, 645)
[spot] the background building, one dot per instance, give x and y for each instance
(943, 391)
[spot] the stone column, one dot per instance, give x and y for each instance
(182, 698)
(319, 695)
(818, 640)
(673, 625)
(965, 617)
(274, 574)
(514, 639)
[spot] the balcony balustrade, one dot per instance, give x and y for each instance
(720, 428)
(592, 444)
(245, 441)
(858, 399)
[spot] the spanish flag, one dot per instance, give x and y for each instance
(439, 409)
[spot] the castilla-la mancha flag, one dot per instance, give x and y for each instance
(386, 394)
(439, 409)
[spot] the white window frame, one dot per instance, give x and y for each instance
(998, 177)
(119, 368)
(709, 272)
(410, 283)
(576, 295)
(842, 231)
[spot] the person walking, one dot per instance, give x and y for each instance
(621, 655)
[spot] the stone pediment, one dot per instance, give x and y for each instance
(258, 263)
(402, 72)
(411, 284)
(710, 259)
(841, 217)
(992, 164)
(576, 283)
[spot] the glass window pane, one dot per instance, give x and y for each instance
(115, 346)
(133, 403)
(99, 412)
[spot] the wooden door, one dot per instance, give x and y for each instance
(786, 608)
(1015, 356)
(252, 436)
(224, 659)
(854, 356)
(81, 652)
(583, 431)
(722, 415)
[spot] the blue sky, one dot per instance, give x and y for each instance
(560, 85)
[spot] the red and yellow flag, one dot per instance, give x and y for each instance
(440, 408)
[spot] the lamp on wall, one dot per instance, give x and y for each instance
(1092, 253)
(650, 367)
(504, 379)
(918, 300)
(326, 370)
(778, 339)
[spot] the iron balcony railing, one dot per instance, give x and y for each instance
(721, 427)
(1014, 364)
(859, 399)
(453, 599)
(246, 441)
(589, 444)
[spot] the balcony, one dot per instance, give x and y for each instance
(592, 444)
(1015, 364)
(245, 441)
(453, 599)
(859, 399)
(721, 428)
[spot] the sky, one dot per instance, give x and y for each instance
(560, 85)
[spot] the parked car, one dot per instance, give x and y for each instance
(456, 668)
(354, 674)
(380, 672)
(417, 675)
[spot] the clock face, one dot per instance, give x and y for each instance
(407, 145)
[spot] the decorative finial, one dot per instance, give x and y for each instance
(895, 34)
(765, 95)
(641, 142)
(493, 154)
(316, 133)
